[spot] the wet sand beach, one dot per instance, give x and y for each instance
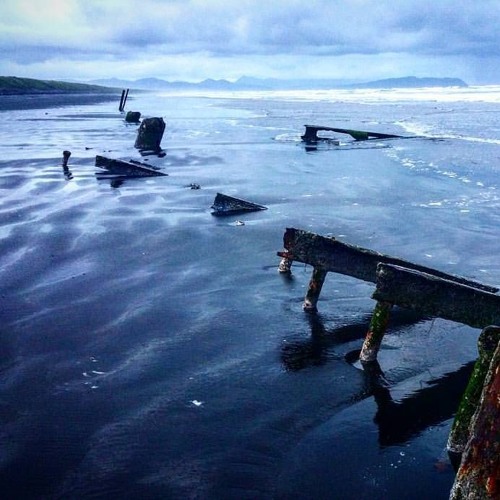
(152, 350)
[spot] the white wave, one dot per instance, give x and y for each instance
(423, 130)
(483, 93)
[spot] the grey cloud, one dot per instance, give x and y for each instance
(330, 28)
(149, 29)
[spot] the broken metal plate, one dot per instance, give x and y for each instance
(228, 205)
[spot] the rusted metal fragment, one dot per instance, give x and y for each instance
(311, 133)
(150, 134)
(459, 434)
(126, 168)
(339, 257)
(228, 205)
(434, 296)
(479, 474)
(376, 331)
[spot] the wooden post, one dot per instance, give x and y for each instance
(66, 155)
(67, 173)
(459, 434)
(479, 472)
(434, 296)
(314, 290)
(376, 331)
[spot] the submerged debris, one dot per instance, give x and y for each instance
(311, 134)
(130, 168)
(133, 117)
(228, 205)
(67, 173)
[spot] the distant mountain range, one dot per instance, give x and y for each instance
(249, 83)
(11, 85)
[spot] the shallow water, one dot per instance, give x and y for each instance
(151, 350)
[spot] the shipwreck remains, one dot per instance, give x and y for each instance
(130, 168)
(474, 441)
(228, 205)
(327, 254)
(311, 134)
(399, 282)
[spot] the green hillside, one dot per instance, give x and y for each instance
(12, 85)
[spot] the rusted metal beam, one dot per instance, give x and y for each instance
(459, 434)
(479, 472)
(434, 296)
(335, 256)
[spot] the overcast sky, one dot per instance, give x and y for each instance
(197, 39)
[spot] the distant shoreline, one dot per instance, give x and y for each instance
(38, 100)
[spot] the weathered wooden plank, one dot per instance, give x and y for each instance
(339, 257)
(479, 472)
(434, 296)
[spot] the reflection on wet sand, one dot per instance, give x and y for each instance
(316, 350)
(400, 420)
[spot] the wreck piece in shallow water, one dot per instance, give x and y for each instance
(130, 168)
(311, 134)
(228, 205)
(150, 134)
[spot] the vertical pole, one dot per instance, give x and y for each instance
(125, 99)
(460, 430)
(120, 107)
(314, 290)
(66, 155)
(376, 331)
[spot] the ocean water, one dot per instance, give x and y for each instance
(151, 350)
